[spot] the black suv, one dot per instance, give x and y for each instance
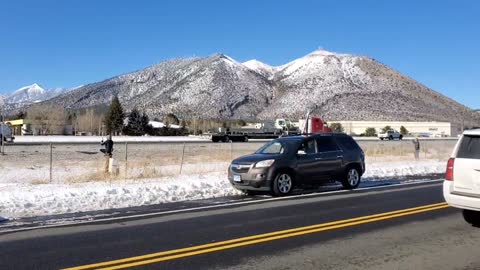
(291, 161)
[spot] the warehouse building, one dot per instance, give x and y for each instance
(430, 129)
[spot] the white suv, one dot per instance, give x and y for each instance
(461, 188)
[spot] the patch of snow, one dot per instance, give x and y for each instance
(379, 170)
(37, 200)
(156, 124)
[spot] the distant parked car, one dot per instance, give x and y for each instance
(390, 135)
(461, 187)
(291, 161)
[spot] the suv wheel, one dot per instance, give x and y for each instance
(245, 139)
(283, 184)
(401, 137)
(472, 217)
(351, 179)
(390, 138)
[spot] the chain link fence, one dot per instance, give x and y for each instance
(60, 162)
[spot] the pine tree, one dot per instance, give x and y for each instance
(114, 117)
(403, 130)
(135, 124)
(147, 128)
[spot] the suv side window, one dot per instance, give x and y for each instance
(347, 142)
(470, 147)
(308, 147)
(326, 144)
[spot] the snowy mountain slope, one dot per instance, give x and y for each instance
(261, 68)
(349, 87)
(339, 86)
(213, 87)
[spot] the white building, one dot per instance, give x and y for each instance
(415, 128)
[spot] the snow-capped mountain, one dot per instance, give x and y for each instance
(26, 94)
(336, 86)
(32, 94)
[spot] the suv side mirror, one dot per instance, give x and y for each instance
(301, 152)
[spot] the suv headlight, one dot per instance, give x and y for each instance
(264, 163)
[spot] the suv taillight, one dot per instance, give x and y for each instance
(449, 172)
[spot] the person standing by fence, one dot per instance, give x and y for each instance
(107, 151)
(416, 146)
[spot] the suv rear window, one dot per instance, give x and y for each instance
(347, 142)
(469, 147)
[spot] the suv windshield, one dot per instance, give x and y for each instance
(274, 147)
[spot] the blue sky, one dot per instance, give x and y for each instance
(70, 43)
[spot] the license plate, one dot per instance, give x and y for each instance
(237, 178)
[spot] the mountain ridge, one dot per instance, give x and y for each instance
(335, 86)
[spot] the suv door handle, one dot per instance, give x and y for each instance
(339, 156)
(318, 158)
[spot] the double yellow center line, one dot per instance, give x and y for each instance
(254, 239)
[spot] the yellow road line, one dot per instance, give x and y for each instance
(249, 240)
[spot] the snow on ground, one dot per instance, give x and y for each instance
(378, 170)
(30, 199)
(98, 139)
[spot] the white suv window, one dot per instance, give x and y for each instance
(470, 147)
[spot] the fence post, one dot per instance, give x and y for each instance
(51, 161)
(126, 160)
(2, 149)
(183, 154)
(425, 149)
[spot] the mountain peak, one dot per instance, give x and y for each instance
(260, 67)
(321, 52)
(224, 57)
(32, 93)
(31, 88)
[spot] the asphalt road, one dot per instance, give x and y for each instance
(403, 227)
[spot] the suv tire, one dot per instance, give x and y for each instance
(472, 217)
(283, 184)
(351, 178)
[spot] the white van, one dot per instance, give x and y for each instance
(461, 187)
(6, 133)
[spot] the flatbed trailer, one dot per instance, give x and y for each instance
(243, 135)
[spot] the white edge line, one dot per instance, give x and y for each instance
(210, 207)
